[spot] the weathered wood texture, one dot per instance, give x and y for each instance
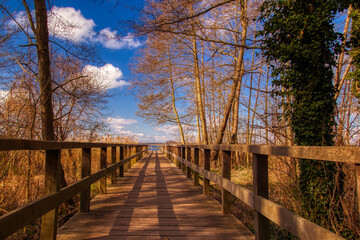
(276, 213)
(154, 201)
(18, 218)
(8, 144)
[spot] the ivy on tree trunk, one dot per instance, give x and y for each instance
(300, 37)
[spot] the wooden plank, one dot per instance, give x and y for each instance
(85, 172)
(113, 160)
(121, 167)
(261, 188)
(188, 158)
(226, 174)
(206, 161)
(183, 153)
(196, 162)
(281, 216)
(323, 153)
(167, 212)
(20, 217)
(357, 173)
(103, 163)
(52, 184)
(9, 144)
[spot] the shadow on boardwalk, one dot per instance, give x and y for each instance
(154, 201)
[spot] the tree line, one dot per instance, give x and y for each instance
(259, 72)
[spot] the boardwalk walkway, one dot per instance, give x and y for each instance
(154, 201)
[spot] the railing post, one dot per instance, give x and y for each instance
(357, 172)
(179, 154)
(170, 152)
(49, 221)
(133, 151)
(85, 171)
(206, 160)
(196, 162)
(121, 168)
(183, 150)
(226, 173)
(129, 154)
(261, 188)
(113, 160)
(188, 158)
(136, 151)
(103, 163)
(126, 154)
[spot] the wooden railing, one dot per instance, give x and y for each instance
(46, 207)
(187, 157)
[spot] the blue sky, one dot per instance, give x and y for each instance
(97, 22)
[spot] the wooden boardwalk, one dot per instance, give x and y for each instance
(154, 201)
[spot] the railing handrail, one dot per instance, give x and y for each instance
(22, 216)
(9, 144)
(323, 153)
(276, 213)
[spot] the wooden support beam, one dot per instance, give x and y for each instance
(113, 160)
(179, 154)
(85, 171)
(49, 220)
(225, 173)
(129, 150)
(183, 151)
(261, 188)
(188, 158)
(121, 168)
(133, 160)
(196, 162)
(357, 172)
(206, 160)
(103, 163)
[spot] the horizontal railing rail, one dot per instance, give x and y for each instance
(187, 157)
(46, 207)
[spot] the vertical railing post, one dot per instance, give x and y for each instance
(103, 163)
(196, 162)
(357, 172)
(113, 160)
(49, 220)
(138, 149)
(121, 167)
(261, 188)
(188, 158)
(129, 155)
(133, 151)
(178, 163)
(226, 173)
(206, 160)
(126, 165)
(170, 154)
(85, 172)
(183, 151)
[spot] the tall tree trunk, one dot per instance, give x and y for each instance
(199, 93)
(42, 43)
(244, 24)
(174, 100)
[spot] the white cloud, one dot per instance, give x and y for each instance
(68, 23)
(168, 129)
(107, 76)
(120, 121)
(160, 138)
(119, 124)
(110, 39)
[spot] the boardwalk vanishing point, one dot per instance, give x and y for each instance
(154, 200)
